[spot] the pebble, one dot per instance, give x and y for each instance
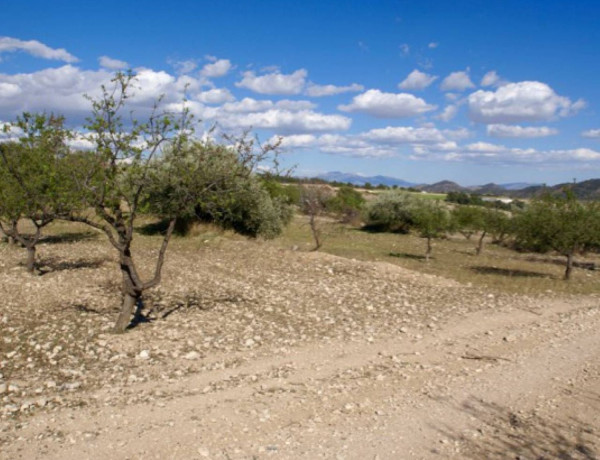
(144, 354)
(192, 355)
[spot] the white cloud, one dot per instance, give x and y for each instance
(247, 105)
(274, 83)
(521, 132)
(448, 113)
(285, 121)
(387, 105)
(591, 134)
(35, 48)
(492, 154)
(314, 90)
(457, 81)
(404, 135)
(417, 80)
(62, 89)
(433, 45)
(518, 102)
(217, 68)
(184, 67)
(215, 96)
(293, 106)
(113, 64)
(492, 79)
(404, 49)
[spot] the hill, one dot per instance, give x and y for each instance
(357, 179)
(586, 190)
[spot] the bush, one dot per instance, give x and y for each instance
(347, 203)
(392, 212)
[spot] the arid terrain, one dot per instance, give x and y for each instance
(256, 350)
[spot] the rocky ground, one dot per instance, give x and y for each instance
(252, 351)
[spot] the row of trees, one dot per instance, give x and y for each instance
(556, 222)
(155, 166)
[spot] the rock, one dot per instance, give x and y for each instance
(204, 452)
(192, 355)
(249, 342)
(3, 388)
(144, 354)
(509, 338)
(13, 388)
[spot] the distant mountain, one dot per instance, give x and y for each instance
(586, 190)
(358, 179)
(517, 185)
(444, 186)
(489, 189)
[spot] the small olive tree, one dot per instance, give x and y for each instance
(34, 179)
(560, 223)
(431, 219)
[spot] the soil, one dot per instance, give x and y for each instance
(251, 351)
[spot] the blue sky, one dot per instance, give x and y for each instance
(470, 91)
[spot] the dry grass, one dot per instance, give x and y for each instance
(498, 269)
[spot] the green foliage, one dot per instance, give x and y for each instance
(347, 203)
(431, 219)
(559, 223)
(392, 212)
(468, 219)
(464, 198)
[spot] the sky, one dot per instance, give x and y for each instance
(468, 91)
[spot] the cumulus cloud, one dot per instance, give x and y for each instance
(433, 45)
(448, 113)
(519, 102)
(492, 79)
(285, 121)
(35, 48)
(217, 68)
(274, 83)
(417, 80)
(113, 64)
(184, 67)
(457, 81)
(404, 135)
(493, 154)
(314, 90)
(62, 90)
(387, 105)
(215, 96)
(521, 132)
(590, 134)
(384, 142)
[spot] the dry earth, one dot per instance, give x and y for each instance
(258, 352)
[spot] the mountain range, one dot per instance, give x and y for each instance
(438, 187)
(587, 190)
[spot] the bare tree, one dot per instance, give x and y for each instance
(313, 202)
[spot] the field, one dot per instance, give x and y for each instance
(254, 349)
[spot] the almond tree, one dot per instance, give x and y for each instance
(152, 165)
(559, 223)
(33, 179)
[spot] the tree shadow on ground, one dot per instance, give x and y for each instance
(68, 237)
(406, 255)
(52, 264)
(499, 433)
(510, 272)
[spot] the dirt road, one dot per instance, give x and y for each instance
(469, 374)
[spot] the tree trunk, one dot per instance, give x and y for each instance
(428, 252)
(315, 232)
(569, 266)
(131, 297)
(127, 309)
(480, 244)
(30, 259)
